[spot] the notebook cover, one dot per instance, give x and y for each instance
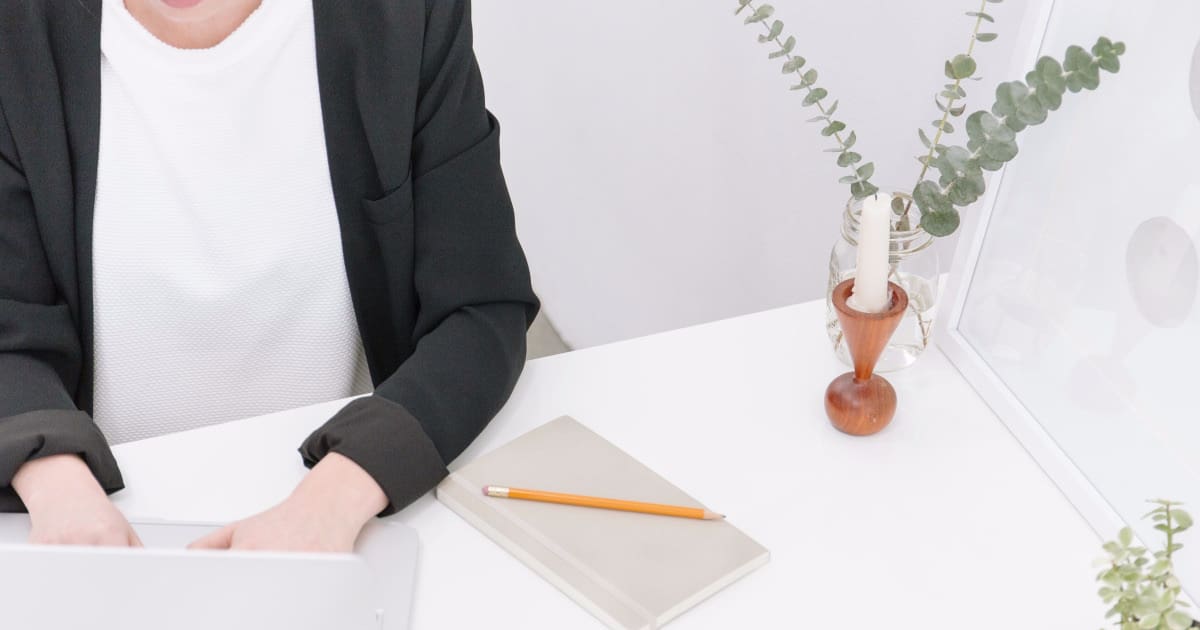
(630, 570)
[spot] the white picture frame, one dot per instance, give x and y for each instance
(1105, 514)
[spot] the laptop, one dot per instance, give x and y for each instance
(165, 586)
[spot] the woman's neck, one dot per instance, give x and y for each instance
(203, 24)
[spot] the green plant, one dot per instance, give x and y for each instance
(860, 176)
(991, 135)
(1140, 586)
(958, 69)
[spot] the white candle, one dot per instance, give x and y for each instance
(870, 293)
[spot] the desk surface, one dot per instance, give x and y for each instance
(943, 511)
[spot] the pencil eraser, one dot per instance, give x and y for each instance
(485, 490)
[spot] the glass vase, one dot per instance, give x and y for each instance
(914, 266)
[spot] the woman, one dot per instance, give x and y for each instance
(213, 209)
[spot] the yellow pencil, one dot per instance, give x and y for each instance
(505, 492)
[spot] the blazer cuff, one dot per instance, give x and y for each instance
(384, 439)
(45, 432)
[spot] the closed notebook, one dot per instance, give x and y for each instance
(630, 570)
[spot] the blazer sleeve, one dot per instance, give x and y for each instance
(40, 354)
(471, 278)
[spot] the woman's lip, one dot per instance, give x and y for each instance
(181, 4)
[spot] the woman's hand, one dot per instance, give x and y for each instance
(68, 507)
(326, 512)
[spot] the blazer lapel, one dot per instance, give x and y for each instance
(80, 80)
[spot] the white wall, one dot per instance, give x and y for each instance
(662, 172)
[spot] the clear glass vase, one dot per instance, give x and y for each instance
(915, 267)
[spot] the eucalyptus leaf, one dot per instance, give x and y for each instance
(940, 223)
(943, 125)
(986, 37)
(847, 158)
(833, 128)
(981, 15)
(863, 189)
(815, 95)
(929, 198)
(961, 67)
(1008, 97)
(762, 13)
(784, 49)
(776, 29)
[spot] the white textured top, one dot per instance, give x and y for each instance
(220, 291)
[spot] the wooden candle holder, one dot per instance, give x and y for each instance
(862, 402)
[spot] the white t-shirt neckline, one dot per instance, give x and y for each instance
(124, 35)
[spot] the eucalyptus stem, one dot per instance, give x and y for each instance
(937, 138)
(837, 134)
(793, 64)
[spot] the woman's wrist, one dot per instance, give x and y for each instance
(343, 488)
(53, 478)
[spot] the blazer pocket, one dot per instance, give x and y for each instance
(392, 206)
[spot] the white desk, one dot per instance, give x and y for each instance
(943, 511)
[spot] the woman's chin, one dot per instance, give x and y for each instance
(181, 4)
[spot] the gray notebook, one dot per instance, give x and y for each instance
(630, 570)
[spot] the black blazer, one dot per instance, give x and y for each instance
(439, 282)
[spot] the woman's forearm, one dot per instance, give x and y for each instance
(46, 479)
(342, 487)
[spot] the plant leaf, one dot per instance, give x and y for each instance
(761, 13)
(961, 66)
(940, 224)
(833, 127)
(847, 158)
(863, 189)
(785, 50)
(793, 64)
(815, 95)
(981, 15)
(985, 37)
(776, 29)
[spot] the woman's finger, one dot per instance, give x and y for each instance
(220, 539)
